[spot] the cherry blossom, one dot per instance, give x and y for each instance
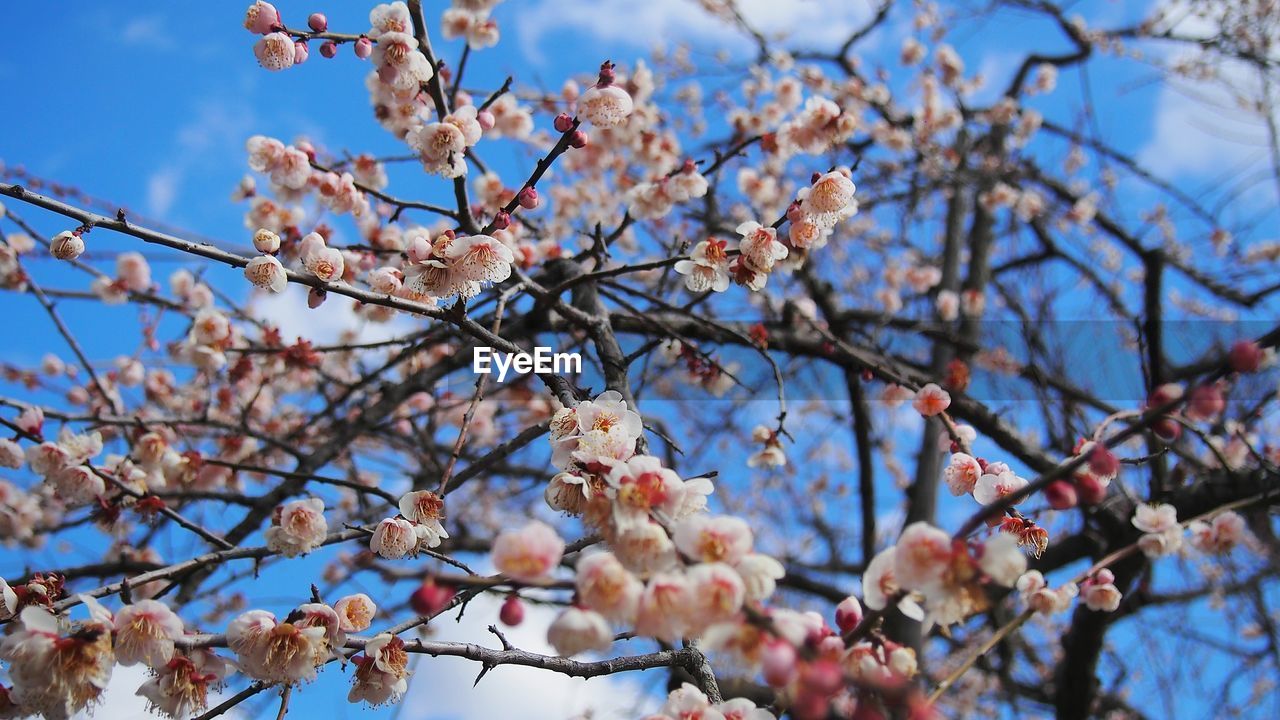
(529, 554)
(145, 632)
(297, 527)
(576, 631)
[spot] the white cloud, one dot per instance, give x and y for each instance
(441, 687)
(1200, 128)
(162, 189)
(148, 31)
(288, 311)
(642, 25)
(214, 130)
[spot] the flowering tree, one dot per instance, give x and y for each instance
(686, 502)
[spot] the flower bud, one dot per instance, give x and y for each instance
(1103, 462)
(318, 22)
(579, 139)
(67, 245)
(364, 48)
(528, 198)
(563, 123)
(512, 612)
(1061, 495)
(300, 52)
(848, 614)
(265, 241)
(779, 663)
(316, 298)
(1245, 356)
(502, 220)
(486, 120)
(430, 598)
(1167, 429)
(1205, 403)
(1089, 490)
(329, 49)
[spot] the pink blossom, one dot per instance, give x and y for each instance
(605, 106)
(529, 554)
(718, 593)
(145, 632)
(394, 538)
(1219, 535)
(962, 473)
(760, 246)
(924, 553)
(880, 584)
(261, 17)
(355, 612)
(663, 606)
(1104, 597)
(931, 400)
(993, 486)
(275, 51)
(577, 631)
(605, 586)
(181, 687)
(707, 538)
(480, 258)
(297, 527)
(760, 575)
(1155, 518)
(1001, 559)
(266, 272)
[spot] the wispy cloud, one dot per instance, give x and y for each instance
(811, 24)
(148, 31)
(215, 129)
(442, 687)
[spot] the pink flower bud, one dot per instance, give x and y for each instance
(823, 677)
(300, 53)
(318, 22)
(1089, 490)
(1103, 462)
(606, 73)
(563, 122)
(1205, 403)
(329, 49)
(1167, 429)
(512, 612)
(779, 663)
(364, 48)
(316, 298)
(430, 598)
(1104, 577)
(848, 614)
(579, 139)
(1164, 395)
(486, 120)
(502, 220)
(1245, 356)
(1061, 495)
(528, 198)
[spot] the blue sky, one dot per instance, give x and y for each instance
(148, 104)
